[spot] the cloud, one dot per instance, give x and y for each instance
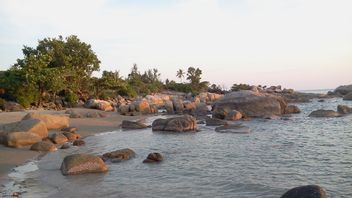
(252, 41)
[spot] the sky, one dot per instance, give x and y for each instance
(300, 44)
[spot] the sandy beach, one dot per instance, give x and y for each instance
(12, 157)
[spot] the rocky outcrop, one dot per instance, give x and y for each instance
(343, 90)
(344, 109)
(82, 164)
(310, 191)
(292, 109)
(22, 139)
(214, 122)
(119, 155)
(176, 124)
(252, 104)
(126, 124)
(153, 158)
(51, 121)
(59, 138)
(324, 113)
(43, 146)
(348, 96)
(99, 104)
(178, 105)
(233, 129)
(32, 126)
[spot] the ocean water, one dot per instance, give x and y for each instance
(276, 156)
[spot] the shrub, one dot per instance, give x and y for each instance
(2, 103)
(72, 98)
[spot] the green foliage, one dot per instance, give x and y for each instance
(127, 91)
(72, 98)
(238, 87)
(2, 103)
(180, 74)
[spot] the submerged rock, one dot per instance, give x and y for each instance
(214, 122)
(119, 155)
(344, 109)
(324, 113)
(251, 104)
(126, 124)
(153, 158)
(79, 143)
(65, 146)
(291, 109)
(82, 164)
(310, 191)
(233, 129)
(51, 121)
(177, 124)
(44, 146)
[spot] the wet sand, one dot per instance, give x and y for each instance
(12, 157)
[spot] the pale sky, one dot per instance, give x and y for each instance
(300, 44)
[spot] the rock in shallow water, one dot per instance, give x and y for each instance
(310, 191)
(82, 164)
(324, 113)
(176, 124)
(44, 146)
(126, 124)
(233, 129)
(214, 122)
(153, 158)
(119, 155)
(79, 143)
(344, 109)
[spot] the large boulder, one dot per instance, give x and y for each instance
(169, 106)
(201, 109)
(44, 146)
(126, 124)
(344, 109)
(59, 138)
(178, 105)
(119, 155)
(343, 90)
(153, 158)
(176, 124)
(348, 96)
(22, 139)
(252, 104)
(82, 164)
(32, 126)
(124, 109)
(142, 106)
(99, 104)
(51, 121)
(324, 113)
(310, 191)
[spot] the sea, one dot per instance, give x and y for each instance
(275, 156)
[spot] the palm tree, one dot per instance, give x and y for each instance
(180, 74)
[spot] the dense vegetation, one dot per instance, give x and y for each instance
(60, 69)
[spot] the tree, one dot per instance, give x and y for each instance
(194, 75)
(180, 74)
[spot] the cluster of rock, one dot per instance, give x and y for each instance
(86, 163)
(92, 114)
(341, 111)
(32, 131)
(344, 91)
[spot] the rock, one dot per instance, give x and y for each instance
(348, 96)
(92, 115)
(291, 109)
(310, 191)
(221, 113)
(214, 122)
(233, 115)
(321, 100)
(99, 104)
(233, 129)
(126, 124)
(344, 109)
(74, 114)
(44, 146)
(65, 146)
(51, 121)
(153, 158)
(142, 106)
(120, 155)
(21, 139)
(169, 106)
(343, 90)
(324, 113)
(79, 143)
(252, 104)
(82, 164)
(124, 109)
(176, 124)
(201, 109)
(59, 138)
(178, 105)
(71, 136)
(32, 126)
(69, 129)
(12, 106)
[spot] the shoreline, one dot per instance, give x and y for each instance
(14, 157)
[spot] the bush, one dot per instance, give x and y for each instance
(72, 98)
(2, 103)
(127, 91)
